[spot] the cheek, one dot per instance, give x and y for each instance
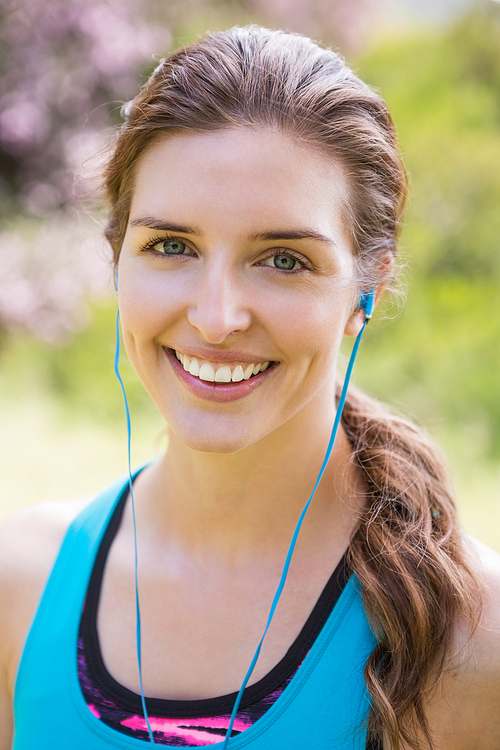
(147, 306)
(308, 329)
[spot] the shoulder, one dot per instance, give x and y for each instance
(463, 710)
(29, 543)
(485, 560)
(30, 539)
(484, 645)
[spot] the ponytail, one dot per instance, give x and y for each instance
(410, 560)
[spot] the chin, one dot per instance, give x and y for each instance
(211, 433)
(212, 442)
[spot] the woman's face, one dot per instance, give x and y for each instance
(236, 266)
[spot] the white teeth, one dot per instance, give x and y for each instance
(223, 374)
(237, 374)
(207, 372)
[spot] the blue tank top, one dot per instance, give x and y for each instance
(325, 702)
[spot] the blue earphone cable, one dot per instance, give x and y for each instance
(137, 610)
(367, 303)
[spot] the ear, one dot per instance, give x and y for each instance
(357, 317)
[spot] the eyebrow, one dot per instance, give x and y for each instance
(150, 222)
(293, 234)
(162, 226)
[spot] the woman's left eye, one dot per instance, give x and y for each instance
(283, 262)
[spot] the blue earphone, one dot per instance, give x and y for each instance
(367, 304)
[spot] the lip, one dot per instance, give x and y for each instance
(216, 392)
(222, 357)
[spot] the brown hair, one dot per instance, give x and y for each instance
(407, 552)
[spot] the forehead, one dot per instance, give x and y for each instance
(252, 176)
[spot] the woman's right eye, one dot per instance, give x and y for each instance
(170, 247)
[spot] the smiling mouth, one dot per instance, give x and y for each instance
(211, 373)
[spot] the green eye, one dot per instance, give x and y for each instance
(284, 262)
(172, 247)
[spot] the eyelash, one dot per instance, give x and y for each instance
(148, 247)
(304, 264)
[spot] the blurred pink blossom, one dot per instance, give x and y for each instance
(24, 122)
(344, 23)
(49, 272)
(66, 66)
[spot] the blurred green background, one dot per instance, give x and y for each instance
(66, 67)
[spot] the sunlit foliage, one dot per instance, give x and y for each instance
(441, 358)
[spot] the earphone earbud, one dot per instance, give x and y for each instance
(367, 302)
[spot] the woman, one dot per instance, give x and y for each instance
(255, 196)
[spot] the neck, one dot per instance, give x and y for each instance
(248, 502)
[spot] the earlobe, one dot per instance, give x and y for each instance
(354, 323)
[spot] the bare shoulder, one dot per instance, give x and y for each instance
(30, 539)
(486, 563)
(485, 642)
(29, 543)
(463, 711)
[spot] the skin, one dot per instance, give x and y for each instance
(215, 514)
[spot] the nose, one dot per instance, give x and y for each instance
(219, 308)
